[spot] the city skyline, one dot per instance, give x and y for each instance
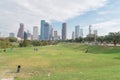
(103, 15)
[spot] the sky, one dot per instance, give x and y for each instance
(103, 15)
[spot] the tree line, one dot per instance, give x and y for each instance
(11, 42)
(111, 38)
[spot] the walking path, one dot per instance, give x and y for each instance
(7, 79)
(7, 75)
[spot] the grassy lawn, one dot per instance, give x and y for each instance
(66, 61)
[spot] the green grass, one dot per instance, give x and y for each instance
(65, 61)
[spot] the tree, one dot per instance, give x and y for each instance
(36, 43)
(4, 43)
(113, 38)
(80, 39)
(24, 43)
(90, 38)
(100, 39)
(12, 39)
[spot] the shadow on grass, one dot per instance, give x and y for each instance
(103, 50)
(118, 58)
(93, 49)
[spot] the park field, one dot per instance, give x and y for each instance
(64, 61)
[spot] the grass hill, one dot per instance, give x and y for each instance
(65, 61)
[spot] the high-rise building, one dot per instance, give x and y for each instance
(29, 37)
(11, 34)
(95, 32)
(35, 33)
(73, 35)
(47, 31)
(81, 32)
(90, 31)
(51, 33)
(21, 31)
(59, 37)
(56, 36)
(77, 31)
(64, 31)
(25, 35)
(42, 29)
(0, 34)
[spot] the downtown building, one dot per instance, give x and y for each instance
(25, 36)
(78, 32)
(56, 36)
(64, 31)
(35, 33)
(42, 29)
(21, 31)
(29, 36)
(11, 34)
(0, 34)
(73, 35)
(81, 32)
(90, 30)
(51, 33)
(46, 32)
(95, 32)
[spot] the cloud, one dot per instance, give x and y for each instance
(105, 12)
(107, 26)
(59, 10)
(30, 12)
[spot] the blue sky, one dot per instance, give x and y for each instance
(103, 15)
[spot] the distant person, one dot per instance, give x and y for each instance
(36, 49)
(18, 68)
(11, 48)
(4, 50)
(86, 51)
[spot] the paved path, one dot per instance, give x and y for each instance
(7, 75)
(7, 79)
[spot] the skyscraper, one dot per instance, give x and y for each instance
(95, 32)
(64, 31)
(25, 35)
(42, 29)
(55, 35)
(0, 34)
(51, 33)
(35, 33)
(73, 35)
(29, 37)
(90, 31)
(81, 32)
(77, 31)
(46, 31)
(21, 31)
(11, 34)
